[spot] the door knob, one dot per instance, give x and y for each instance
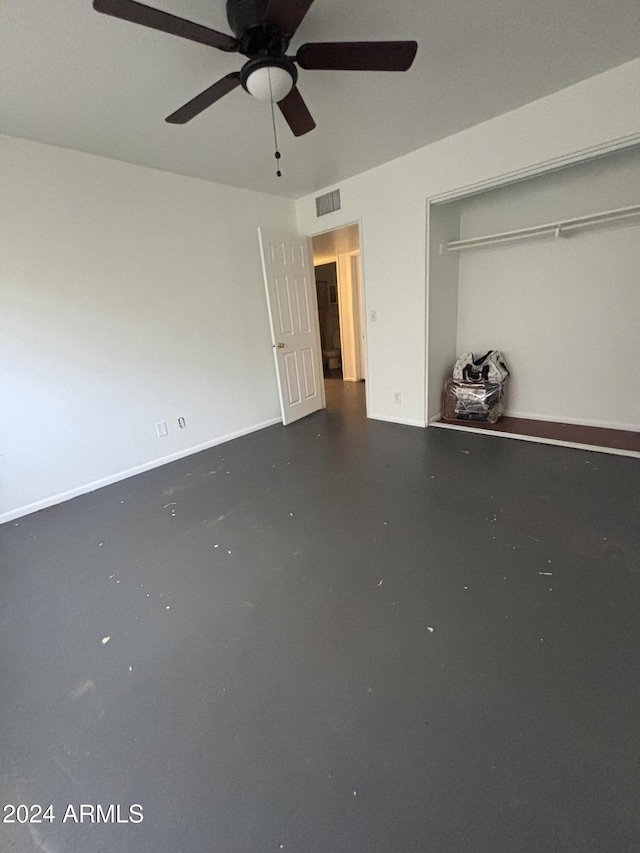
(280, 345)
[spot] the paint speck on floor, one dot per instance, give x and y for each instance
(105, 640)
(168, 607)
(100, 544)
(87, 687)
(380, 583)
(130, 669)
(430, 629)
(466, 452)
(546, 574)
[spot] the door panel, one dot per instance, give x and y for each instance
(304, 318)
(293, 314)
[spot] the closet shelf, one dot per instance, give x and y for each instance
(551, 229)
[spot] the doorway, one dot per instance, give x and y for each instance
(336, 259)
(329, 318)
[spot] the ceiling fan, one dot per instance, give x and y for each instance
(263, 30)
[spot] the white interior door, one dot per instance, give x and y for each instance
(295, 329)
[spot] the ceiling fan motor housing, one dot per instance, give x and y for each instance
(244, 14)
(255, 36)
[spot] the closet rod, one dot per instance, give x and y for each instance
(557, 229)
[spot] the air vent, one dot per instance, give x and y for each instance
(328, 203)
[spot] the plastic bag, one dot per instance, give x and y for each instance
(473, 401)
(489, 367)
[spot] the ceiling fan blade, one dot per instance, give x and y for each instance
(296, 114)
(138, 13)
(287, 15)
(357, 55)
(196, 105)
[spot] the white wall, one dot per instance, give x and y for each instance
(390, 204)
(129, 296)
(349, 326)
(565, 313)
(566, 316)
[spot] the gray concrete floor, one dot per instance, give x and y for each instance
(339, 636)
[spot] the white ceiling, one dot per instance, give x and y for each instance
(75, 78)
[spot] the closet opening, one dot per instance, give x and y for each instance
(545, 270)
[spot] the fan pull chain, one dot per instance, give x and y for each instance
(273, 122)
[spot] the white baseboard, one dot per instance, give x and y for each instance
(527, 416)
(403, 421)
(124, 475)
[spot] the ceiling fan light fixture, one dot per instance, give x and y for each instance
(269, 83)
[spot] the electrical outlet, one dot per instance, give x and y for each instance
(397, 396)
(161, 429)
(182, 423)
